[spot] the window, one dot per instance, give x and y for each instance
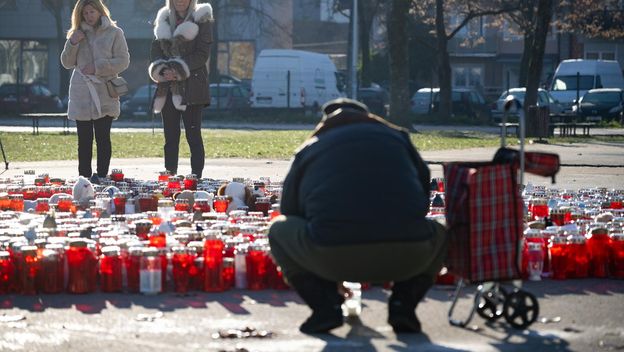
(237, 58)
(569, 83)
(600, 55)
(467, 76)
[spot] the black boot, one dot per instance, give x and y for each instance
(322, 297)
(402, 303)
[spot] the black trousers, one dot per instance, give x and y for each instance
(192, 128)
(86, 129)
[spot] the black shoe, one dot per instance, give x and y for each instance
(402, 303)
(95, 179)
(323, 298)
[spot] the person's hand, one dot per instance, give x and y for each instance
(170, 75)
(88, 69)
(76, 37)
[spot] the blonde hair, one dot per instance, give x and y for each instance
(76, 16)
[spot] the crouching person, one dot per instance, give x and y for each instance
(354, 204)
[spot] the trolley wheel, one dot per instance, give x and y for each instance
(521, 309)
(491, 304)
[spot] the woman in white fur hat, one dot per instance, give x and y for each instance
(96, 50)
(180, 53)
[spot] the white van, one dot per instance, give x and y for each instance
(591, 74)
(313, 80)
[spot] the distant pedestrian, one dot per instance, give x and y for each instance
(180, 53)
(97, 51)
(354, 204)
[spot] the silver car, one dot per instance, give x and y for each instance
(543, 99)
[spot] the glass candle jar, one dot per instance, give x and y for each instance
(166, 208)
(256, 267)
(150, 272)
(202, 205)
(110, 269)
(182, 262)
(558, 257)
(119, 200)
(190, 182)
(17, 202)
(275, 277)
(220, 204)
(133, 267)
(30, 192)
(117, 175)
(64, 204)
(51, 265)
(617, 255)
(535, 261)
(142, 229)
(42, 206)
(228, 273)
(598, 248)
(213, 262)
(275, 211)
(29, 267)
(82, 267)
(5, 201)
(163, 176)
(538, 208)
(182, 205)
(240, 266)
(174, 184)
(7, 272)
(263, 204)
(577, 257)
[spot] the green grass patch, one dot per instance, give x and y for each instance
(235, 144)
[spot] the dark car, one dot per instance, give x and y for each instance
(138, 104)
(376, 98)
(228, 96)
(467, 102)
(33, 97)
(601, 104)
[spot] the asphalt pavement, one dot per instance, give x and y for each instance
(574, 315)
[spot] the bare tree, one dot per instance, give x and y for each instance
(536, 55)
(399, 63)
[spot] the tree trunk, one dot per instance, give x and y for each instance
(524, 61)
(60, 41)
(214, 75)
(399, 68)
(366, 15)
(445, 107)
(536, 59)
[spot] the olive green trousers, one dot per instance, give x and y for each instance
(379, 262)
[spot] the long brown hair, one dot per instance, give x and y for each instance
(76, 17)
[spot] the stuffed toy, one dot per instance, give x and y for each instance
(238, 195)
(83, 192)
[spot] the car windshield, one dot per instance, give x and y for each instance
(602, 97)
(569, 82)
(7, 89)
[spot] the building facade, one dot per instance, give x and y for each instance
(30, 50)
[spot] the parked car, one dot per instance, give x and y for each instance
(543, 99)
(601, 104)
(228, 96)
(34, 97)
(376, 98)
(139, 103)
(465, 101)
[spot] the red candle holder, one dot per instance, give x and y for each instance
(182, 205)
(157, 239)
(28, 270)
(174, 184)
(190, 182)
(29, 192)
(202, 205)
(577, 257)
(117, 175)
(221, 204)
(182, 262)
(110, 269)
(120, 199)
(538, 208)
(82, 267)
(17, 202)
(228, 273)
(163, 176)
(142, 229)
(42, 206)
(617, 255)
(5, 201)
(598, 248)
(64, 204)
(7, 273)
(213, 262)
(263, 204)
(275, 211)
(275, 277)
(133, 266)
(256, 267)
(51, 266)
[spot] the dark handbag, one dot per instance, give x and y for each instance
(117, 87)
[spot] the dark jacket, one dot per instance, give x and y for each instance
(359, 183)
(186, 50)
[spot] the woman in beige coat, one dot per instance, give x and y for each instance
(96, 50)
